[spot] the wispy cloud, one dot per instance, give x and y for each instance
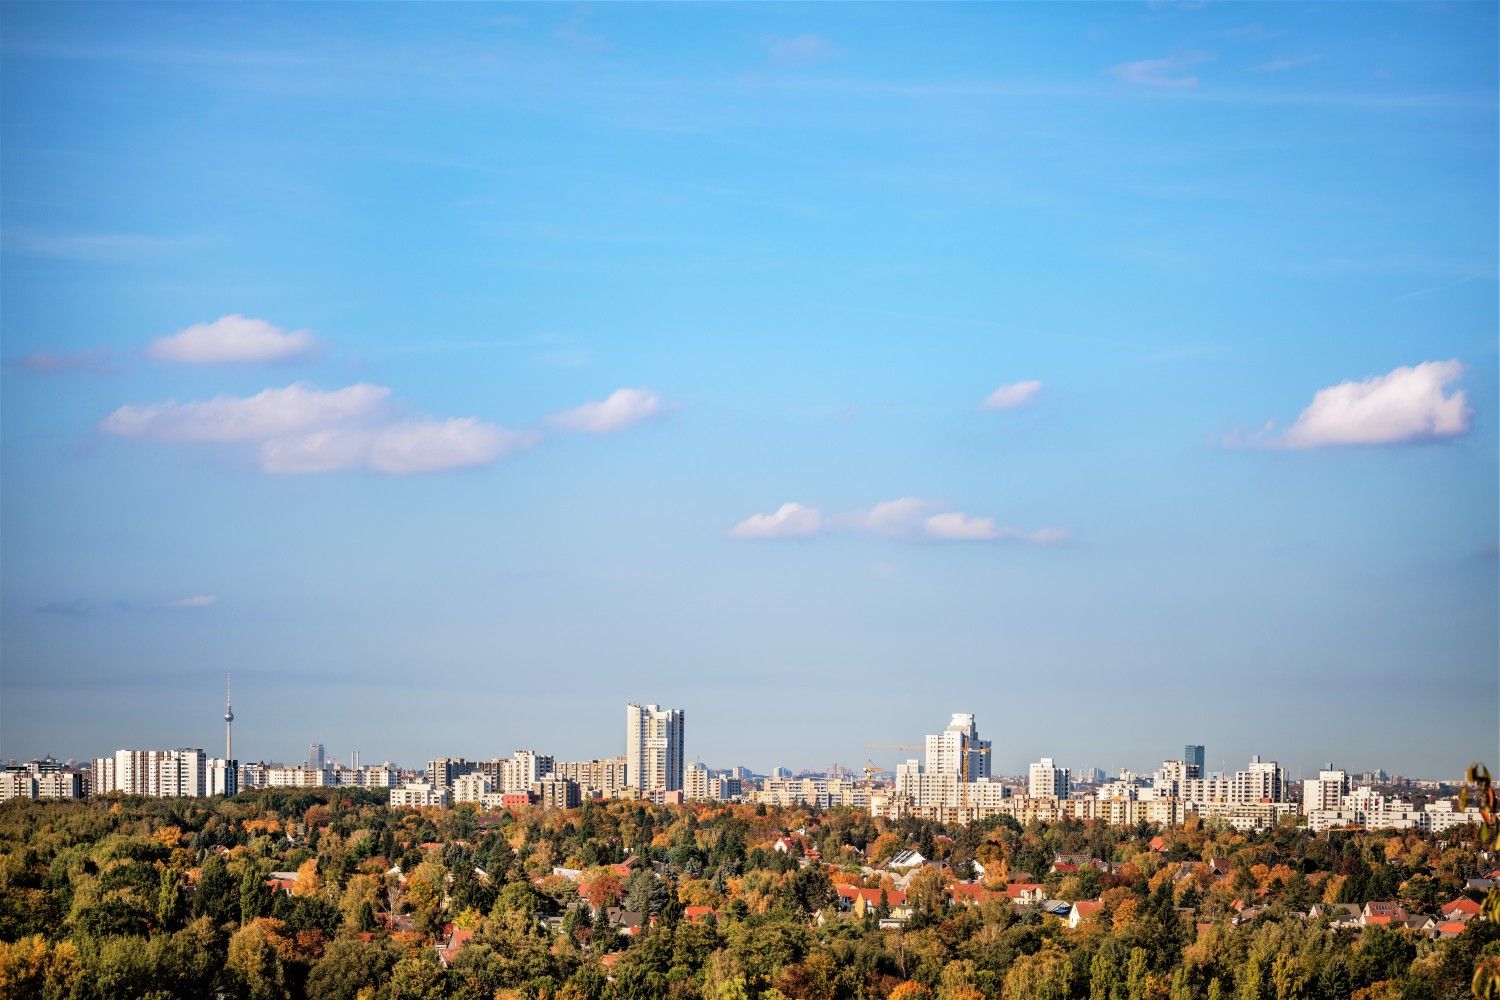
(802, 50)
(1405, 406)
(623, 408)
(270, 413)
(91, 247)
(196, 601)
(906, 519)
(1012, 396)
(1167, 73)
(1286, 63)
(95, 360)
(231, 339)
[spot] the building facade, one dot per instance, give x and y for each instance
(654, 760)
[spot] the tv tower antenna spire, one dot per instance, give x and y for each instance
(228, 719)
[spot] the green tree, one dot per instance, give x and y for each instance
(254, 965)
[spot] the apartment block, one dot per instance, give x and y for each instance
(418, 794)
(654, 761)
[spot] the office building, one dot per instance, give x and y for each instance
(1192, 756)
(654, 759)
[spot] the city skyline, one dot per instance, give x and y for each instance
(317, 755)
(1125, 375)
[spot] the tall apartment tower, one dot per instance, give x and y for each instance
(946, 750)
(1192, 756)
(315, 757)
(654, 760)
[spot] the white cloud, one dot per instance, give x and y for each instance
(196, 601)
(622, 409)
(1012, 396)
(1409, 404)
(906, 518)
(431, 445)
(956, 526)
(412, 446)
(892, 518)
(1167, 73)
(270, 413)
(231, 339)
(790, 520)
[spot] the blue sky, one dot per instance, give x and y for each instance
(1228, 273)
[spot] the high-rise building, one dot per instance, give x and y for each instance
(442, 772)
(946, 750)
(654, 748)
(315, 756)
(1326, 791)
(1192, 756)
(1046, 780)
(166, 774)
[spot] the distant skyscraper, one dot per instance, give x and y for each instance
(315, 757)
(1192, 756)
(654, 760)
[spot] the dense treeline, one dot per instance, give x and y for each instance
(142, 898)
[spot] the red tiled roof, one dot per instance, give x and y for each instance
(1064, 867)
(695, 912)
(1451, 928)
(969, 892)
(1015, 890)
(1088, 907)
(1462, 905)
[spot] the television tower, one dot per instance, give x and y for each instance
(228, 721)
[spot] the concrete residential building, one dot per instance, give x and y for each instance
(1045, 780)
(444, 771)
(41, 779)
(605, 777)
(556, 793)
(418, 794)
(1326, 791)
(183, 773)
(946, 750)
(654, 760)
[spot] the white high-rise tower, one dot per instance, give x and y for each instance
(654, 759)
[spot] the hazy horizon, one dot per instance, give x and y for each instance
(454, 375)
